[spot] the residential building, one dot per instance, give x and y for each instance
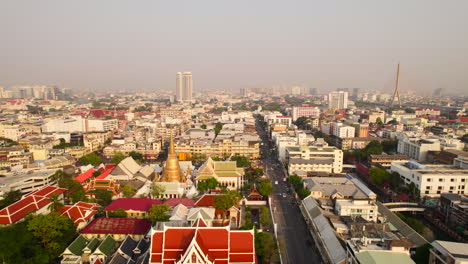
(343, 131)
(338, 100)
(454, 207)
(366, 250)
(432, 180)
(314, 158)
(349, 196)
(415, 147)
(427, 112)
(446, 252)
(304, 111)
(385, 161)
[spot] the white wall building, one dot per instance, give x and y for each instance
(416, 147)
(307, 111)
(344, 131)
(432, 180)
(312, 158)
(338, 100)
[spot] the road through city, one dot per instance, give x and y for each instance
(296, 243)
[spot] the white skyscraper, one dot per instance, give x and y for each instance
(338, 100)
(184, 86)
(179, 91)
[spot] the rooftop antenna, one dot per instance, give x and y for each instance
(396, 94)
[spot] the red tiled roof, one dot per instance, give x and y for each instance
(117, 226)
(173, 202)
(207, 200)
(80, 212)
(217, 243)
(86, 175)
(464, 119)
(106, 172)
(135, 204)
(31, 202)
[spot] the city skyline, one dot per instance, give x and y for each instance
(316, 45)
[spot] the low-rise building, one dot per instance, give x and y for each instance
(385, 161)
(314, 158)
(118, 228)
(432, 180)
(446, 252)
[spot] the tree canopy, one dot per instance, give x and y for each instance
(157, 189)
(118, 157)
(265, 187)
(158, 213)
(136, 155)
(103, 197)
(10, 198)
(241, 161)
(265, 246)
(209, 184)
(379, 176)
(91, 158)
(119, 213)
(128, 191)
(51, 230)
(218, 127)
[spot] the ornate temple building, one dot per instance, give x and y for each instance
(225, 172)
(176, 181)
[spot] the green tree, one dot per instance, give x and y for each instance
(464, 138)
(226, 200)
(257, 172)
(208, 184)
(136, 155)
(379, 121)
(295, 181)
(157, 189)
(10, 198)
(91, 158)
(203, 126)
(158, 213)
(265, 246)
(55, 203)
(241, 161)
(374, 147)
(128, 191)
(303, 192)
(218, 128)
(74, 192)
(119, 213)
(389, 146)
(379, 176)
(52, 230)
(265, 187)
(301, 122)
(96, 173)
(118, 157)
(103, 197)
(422, 253)
(265, 218)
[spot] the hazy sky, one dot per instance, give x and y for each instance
(113, 45)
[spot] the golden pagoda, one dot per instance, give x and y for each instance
(172, 171)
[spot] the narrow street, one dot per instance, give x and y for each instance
(296, 244)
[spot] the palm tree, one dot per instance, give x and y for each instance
(55, 203)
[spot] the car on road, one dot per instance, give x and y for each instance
(284, 195)
(276, 182)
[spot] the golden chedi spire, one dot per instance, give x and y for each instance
(172, 171)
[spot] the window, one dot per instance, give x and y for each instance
(438, 192)
(428, 187)
(441, 180)
(453, 180)
(429, 179)
(440, 188)
(426, 192)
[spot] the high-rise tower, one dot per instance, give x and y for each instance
(179, 91)
(188, 85)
